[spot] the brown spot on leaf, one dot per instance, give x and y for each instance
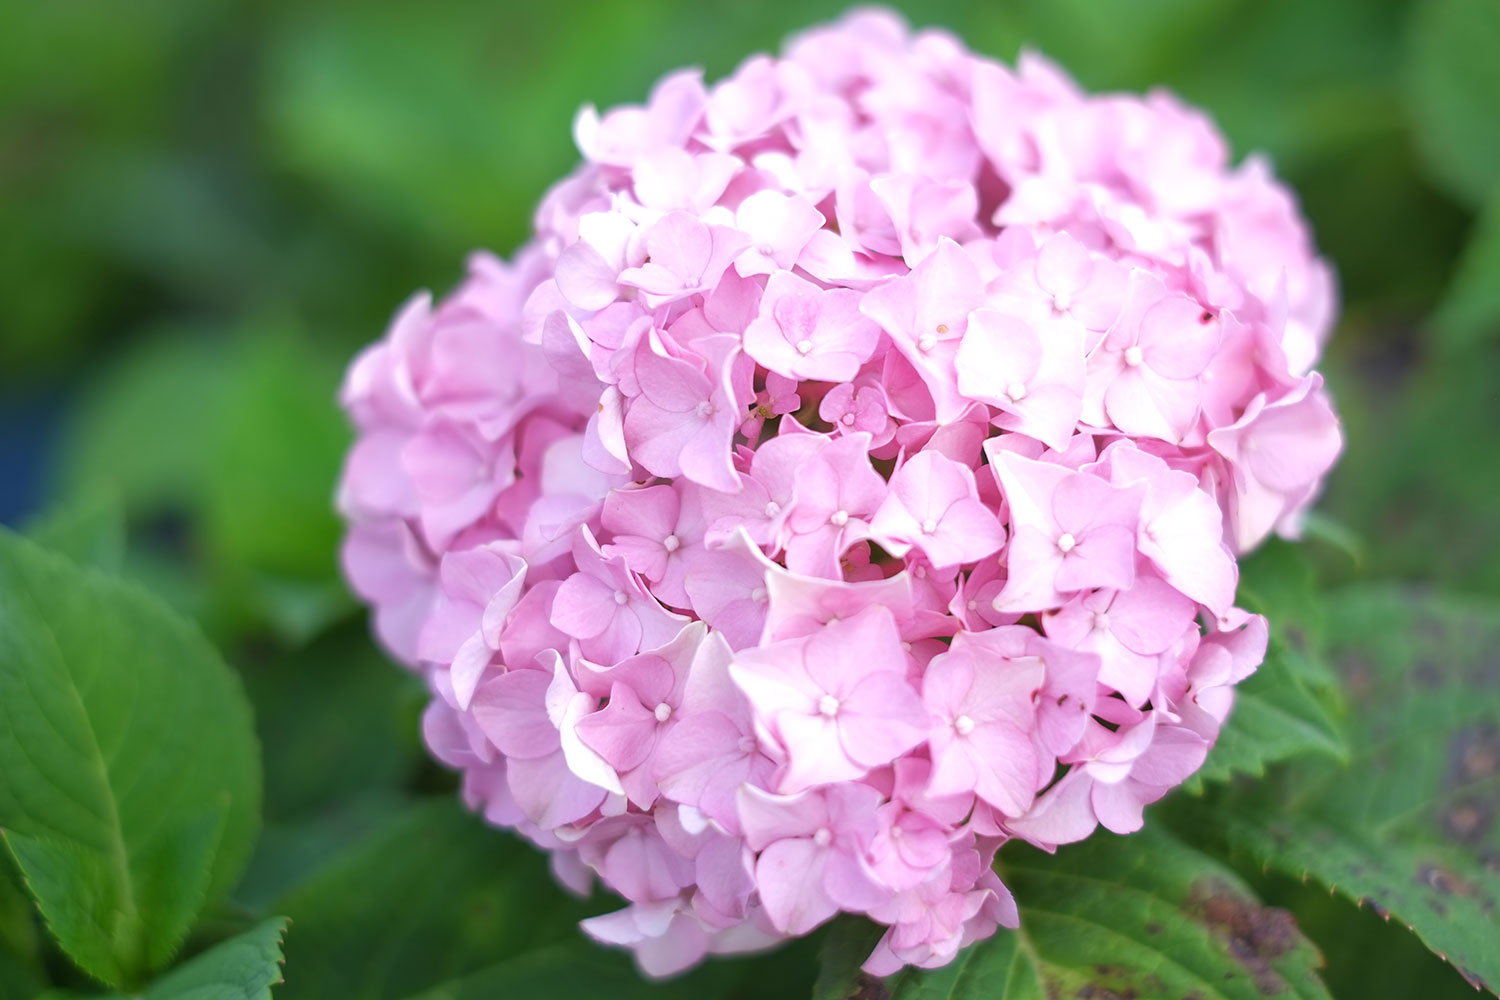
(868, 987)
(1154, 928)
(1468, 820)
(1443, 881)
(1472, 978)
(1474, 753)
(1255, 935)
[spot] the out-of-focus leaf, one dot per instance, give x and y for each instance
(564, 972)
(1415, 478)
(129, 778)
(59, 133)
(434, 894)
(89, 529)
(145, 429)
(289, 852)
(1470, 311)
(1143, 916)
(336, 719)
(18, 981)
(1411, 827)
(20, 942)
(274, 458)
(1452, 77)
(225, 455)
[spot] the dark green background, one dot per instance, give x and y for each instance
(207, 206)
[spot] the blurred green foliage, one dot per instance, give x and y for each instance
(209, 206)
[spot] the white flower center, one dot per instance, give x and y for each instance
(926, 342)
(671, 543)
(622, 598)
(706, 409)
(746, 744)
(847, 420)
(758, 595)
(1101, 621)
(804, 345)
(929, 526)
(1065, 542)
(823, 837)
(963, 725)
(663, 712)
(1016, 391)
(828, 705)
(839, 518)
(1062, 302)
(1133, 355)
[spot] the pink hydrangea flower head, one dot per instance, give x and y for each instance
(846, 478)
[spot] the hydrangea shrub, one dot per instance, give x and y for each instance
(845, 479)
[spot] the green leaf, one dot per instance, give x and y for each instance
(435, 903)
(1411, 826)
(88, 528)
(848, 943)
(129, 774)
(229, 448)
(315, 758)
(18, 981)
(432, 895)
(1452, 76)
(144, 429)
(1144, 915)
(242, 968)
(274, 458)
(1275, 717)
(1469, 313)
(1287, 707)
(562, 972)
(20, 936)
(288, 853)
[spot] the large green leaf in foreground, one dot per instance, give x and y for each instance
(1411, 826)
(1142, 916)
(129, 775)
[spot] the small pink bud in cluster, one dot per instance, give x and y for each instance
(845, 480)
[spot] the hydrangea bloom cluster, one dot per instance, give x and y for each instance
(846, 479)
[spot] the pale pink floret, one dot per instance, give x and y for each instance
(1070, 531)
(983, 709)
(683, 514)
(837, 701)
(934, 506)
(804, 332)
(811, 849)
